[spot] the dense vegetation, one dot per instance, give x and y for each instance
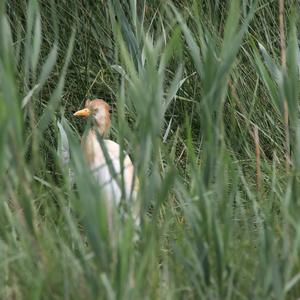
(205, 99)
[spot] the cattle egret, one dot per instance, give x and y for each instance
(104, 160)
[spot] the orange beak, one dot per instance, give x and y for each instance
(82, 113)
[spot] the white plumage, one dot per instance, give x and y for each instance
(108, 177)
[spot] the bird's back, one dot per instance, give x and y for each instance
(109, 177)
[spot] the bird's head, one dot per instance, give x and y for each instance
(99, 110)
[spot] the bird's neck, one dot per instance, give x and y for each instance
(89, 144)
(96, 131)
(101, 122)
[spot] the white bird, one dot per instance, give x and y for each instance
(107, 172)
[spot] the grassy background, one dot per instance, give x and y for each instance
(198, 94)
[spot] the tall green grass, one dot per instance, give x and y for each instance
(198, 92)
